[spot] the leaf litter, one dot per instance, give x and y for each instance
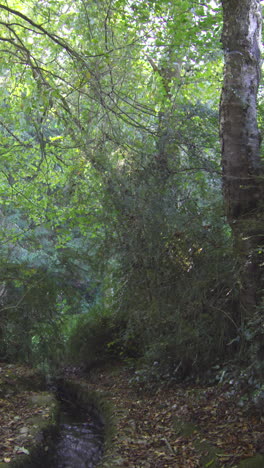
(178, 427)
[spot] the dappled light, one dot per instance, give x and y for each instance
(131, 228)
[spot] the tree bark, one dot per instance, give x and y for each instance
(240, 139)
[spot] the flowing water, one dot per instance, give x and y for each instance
(79, 441)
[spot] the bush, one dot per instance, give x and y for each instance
(93, 339)
(188, 322)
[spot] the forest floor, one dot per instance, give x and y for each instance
(24, 410)
(178, 427)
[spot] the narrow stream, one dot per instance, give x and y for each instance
(79, 441)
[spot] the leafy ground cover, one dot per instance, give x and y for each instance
(23, 412)
(179, 426)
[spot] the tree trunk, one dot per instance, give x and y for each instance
(242, 172)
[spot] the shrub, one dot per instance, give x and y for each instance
(93, 339)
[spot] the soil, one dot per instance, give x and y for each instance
(24, 412)
(176, 426)
(180, 426)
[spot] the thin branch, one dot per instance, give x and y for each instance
(22, 297)
(58, 40)
(25, 145)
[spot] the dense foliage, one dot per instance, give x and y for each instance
(114, 242)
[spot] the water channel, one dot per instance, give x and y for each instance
(79, 441)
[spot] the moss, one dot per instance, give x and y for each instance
(184, 428)
(40, 427)
(43, 399)
(254, 462)
(209, 454)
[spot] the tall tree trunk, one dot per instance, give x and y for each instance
(242, 172)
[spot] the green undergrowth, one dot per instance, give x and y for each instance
(254, 462)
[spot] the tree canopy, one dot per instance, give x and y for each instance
(114, 235)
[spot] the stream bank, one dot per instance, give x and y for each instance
(28, 414)
(165, 427)
(78, 441)
(174, 427)
(38, 430)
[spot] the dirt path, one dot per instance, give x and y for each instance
(177, 427)
(180, 427)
